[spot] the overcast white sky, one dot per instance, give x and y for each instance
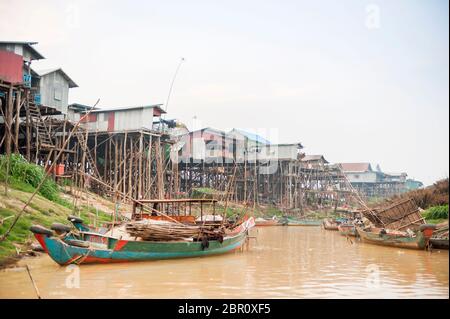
(354, 80)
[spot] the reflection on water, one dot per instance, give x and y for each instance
(284, 262)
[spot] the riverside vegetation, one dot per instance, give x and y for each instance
(51, 204)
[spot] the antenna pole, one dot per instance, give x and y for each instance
(173, 80)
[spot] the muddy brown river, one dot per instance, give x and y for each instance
(283, 262)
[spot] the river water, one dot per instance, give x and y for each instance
(283, 262)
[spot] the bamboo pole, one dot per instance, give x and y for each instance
(32, 281)
(130, 170)
(125, 162)
(18, 106)
(28, 131)
(141, 154)
(226, 195)
(137, 201)
(8, 120)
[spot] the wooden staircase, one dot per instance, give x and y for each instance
(43, 135)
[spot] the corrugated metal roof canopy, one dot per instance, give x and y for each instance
(80, 107)
(125, 108)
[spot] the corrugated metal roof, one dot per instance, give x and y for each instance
(72, 84)
(28, 45)
(299, 145)
(80, 107)
(356, 167)
(125, 108)
(210, 130)
(307, 158)
(252, 136)
(396, 174)
(19, 42)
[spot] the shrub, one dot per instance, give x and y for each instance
(437, 212)
(22, 173)
(434, 195)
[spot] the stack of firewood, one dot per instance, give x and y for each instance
(441, 232)
(172, 232)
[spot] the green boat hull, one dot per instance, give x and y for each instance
(98, 248)
(125, 251)
(417, 242)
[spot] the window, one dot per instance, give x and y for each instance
(58, 94)
(212, 144)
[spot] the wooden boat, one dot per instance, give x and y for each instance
(266, 222)
(439, 243)
(91, 247)
(330, 224)
(347, 229)
(439, 239)
(289, 221)
(420, 240)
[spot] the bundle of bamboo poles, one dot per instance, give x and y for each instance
(441, 232)
(172, 232)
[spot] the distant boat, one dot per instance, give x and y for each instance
(266, 222)
(439, 243)
(330, 224)
(347, 229)
(290, 221)
(420, 240)
(439, 239)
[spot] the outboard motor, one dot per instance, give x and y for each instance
(427, 230)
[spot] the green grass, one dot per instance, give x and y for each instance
(205, 192)
(20, 234)
(41, 211)
(272, 211)
(436, 214)
(88, 213)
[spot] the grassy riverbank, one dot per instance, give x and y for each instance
(41, 211)
(436, 214)
(53, 203)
